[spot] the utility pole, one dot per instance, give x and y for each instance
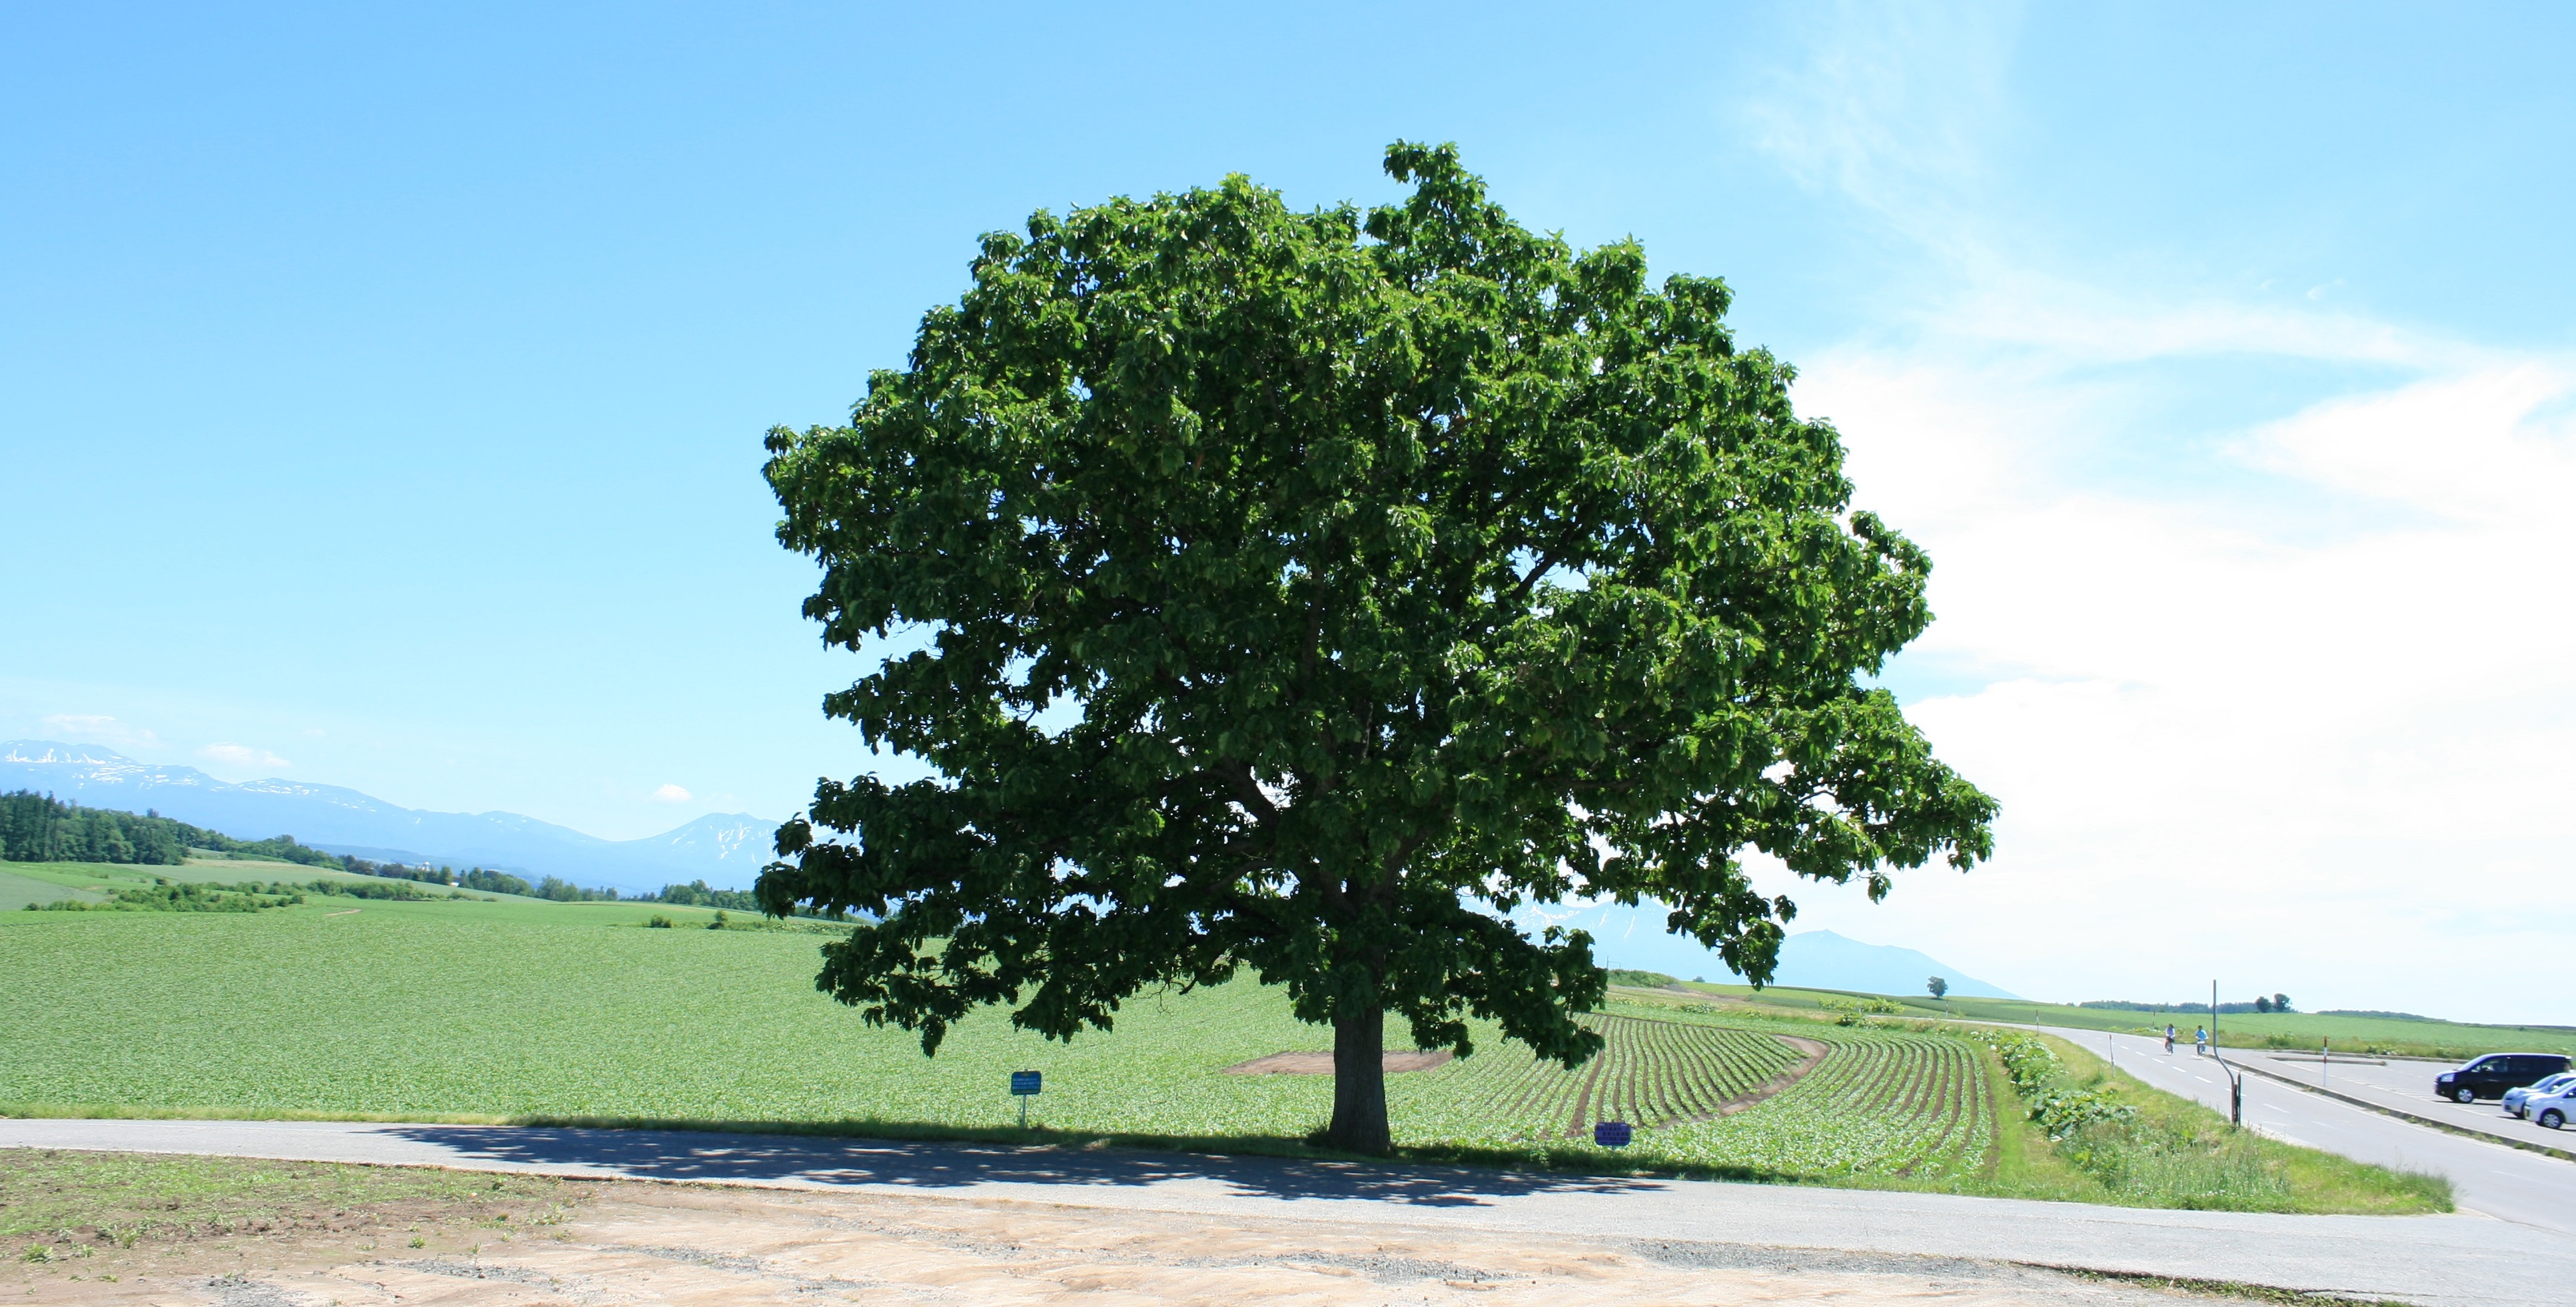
(2235, 1082)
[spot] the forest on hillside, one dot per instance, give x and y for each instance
(40, 828)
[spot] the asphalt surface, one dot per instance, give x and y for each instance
(2406, 1085)
(2459, 1259)
(2533, 1190)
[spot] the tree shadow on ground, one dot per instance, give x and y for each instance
(791, 1159)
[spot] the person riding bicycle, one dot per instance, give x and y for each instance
(2169, 1036)
(2200, 1041)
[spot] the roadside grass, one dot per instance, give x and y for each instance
(2026, 1164)
(2177, 1153)
(72, 1204)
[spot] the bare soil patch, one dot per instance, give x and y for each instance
(1321, 1064)
(1811, 1051)
(629, 1242)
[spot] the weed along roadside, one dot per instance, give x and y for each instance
(2147, 1148)
(721, 1029)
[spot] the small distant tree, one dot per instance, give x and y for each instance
(2281, 1003)
(1303, 593)
(1940, 988)
(2262, 1004)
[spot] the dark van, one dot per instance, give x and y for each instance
(2490, 1076)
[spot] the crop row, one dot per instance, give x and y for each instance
(1649, 1073)
(1881, 1102)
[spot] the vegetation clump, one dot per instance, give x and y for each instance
(2060, 1106)
(1862, 1011)
(695, 894)
(166, 895)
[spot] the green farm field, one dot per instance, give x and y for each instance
(99, 876)
(2446, 1040)
(525, 1010)
(17, 890)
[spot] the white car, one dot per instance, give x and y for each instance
(2551, 1110)
(2514, 1099)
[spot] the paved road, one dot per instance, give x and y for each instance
(2466, 1260)
(2529, 1189)
(2406, 1086)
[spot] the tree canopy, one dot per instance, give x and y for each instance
(1304, 592)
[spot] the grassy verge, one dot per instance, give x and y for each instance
(2143, 1147)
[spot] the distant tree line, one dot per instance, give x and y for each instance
(695, 894)
(2274, 1003)
(40, 828)
(484, 880)
(424, 873)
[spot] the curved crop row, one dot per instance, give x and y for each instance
(1648, 1073)
(1881, 1102)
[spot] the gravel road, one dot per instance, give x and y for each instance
(2463, 1259)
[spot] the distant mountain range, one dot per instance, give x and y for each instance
(1812, 959)
(726, 850)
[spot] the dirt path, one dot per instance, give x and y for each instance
(2461, 1261)
(628, 1242)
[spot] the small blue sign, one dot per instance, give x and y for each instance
(1025, 1083)
(1611, 1134)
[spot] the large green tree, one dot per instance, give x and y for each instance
(1303, 593)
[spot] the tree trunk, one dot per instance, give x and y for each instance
(1359, 1082)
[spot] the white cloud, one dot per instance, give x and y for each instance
(242, 755)
(101, 730)
(671, 794)
(2469, 447)
(2278, 699)
(2230, 741)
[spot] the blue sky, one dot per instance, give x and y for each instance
(380, 394)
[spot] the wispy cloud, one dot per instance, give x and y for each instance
(1895, 109)
(241, 755)
(101, 730)
(672, 794)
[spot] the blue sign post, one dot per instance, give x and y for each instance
(1024, 1086)
(1611, 1134)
